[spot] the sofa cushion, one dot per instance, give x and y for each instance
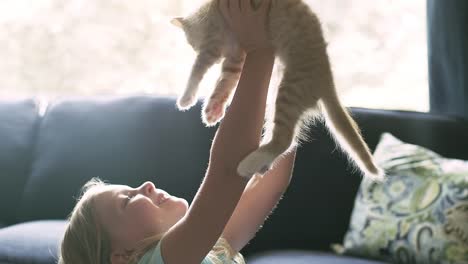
(32, 242)
(122, 140)
(418, 215)
(18, 126)
(305, 257)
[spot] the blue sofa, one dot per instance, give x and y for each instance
(46, 157)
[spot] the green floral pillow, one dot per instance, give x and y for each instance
(418, 215)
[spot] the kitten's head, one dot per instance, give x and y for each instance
(194, 29)
(200, 25)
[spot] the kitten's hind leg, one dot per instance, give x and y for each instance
(289, 109)
(215, 106)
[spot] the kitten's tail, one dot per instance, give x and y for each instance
(348, 136)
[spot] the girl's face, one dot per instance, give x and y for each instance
(132, 214)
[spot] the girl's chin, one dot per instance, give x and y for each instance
(175, 201)
(181, 201)
(185, 204)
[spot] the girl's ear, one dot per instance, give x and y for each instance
(178, 22)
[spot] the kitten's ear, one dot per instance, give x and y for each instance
(178, 22)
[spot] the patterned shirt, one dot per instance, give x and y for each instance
(222, 253)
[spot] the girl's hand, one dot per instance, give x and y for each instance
(249, 26)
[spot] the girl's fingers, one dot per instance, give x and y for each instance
(241, 5)
(245, 5)
(235, 7)
(224, 8)
(264, 6)
(222, 5)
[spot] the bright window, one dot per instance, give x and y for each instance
(56, 48)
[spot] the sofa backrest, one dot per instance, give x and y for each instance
(18, 126)
(120, 140)
(130, 140)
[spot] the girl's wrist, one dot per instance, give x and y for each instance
(262, 56)
(263, 51)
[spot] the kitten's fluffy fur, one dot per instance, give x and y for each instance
(306, 89)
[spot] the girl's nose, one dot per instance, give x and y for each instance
(147, 187)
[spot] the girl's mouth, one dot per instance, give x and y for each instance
(162, 197)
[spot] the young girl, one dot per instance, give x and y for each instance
(119, 224)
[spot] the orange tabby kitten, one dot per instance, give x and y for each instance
(306, 87)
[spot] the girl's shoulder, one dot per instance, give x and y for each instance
(222, 253)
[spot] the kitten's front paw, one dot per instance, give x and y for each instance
(212, 113)
(256, 162)
(186, 101)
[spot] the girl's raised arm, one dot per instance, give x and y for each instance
(239, 133)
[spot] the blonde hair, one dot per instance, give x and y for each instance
(85, 240)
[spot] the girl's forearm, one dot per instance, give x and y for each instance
(280, 175)
(240, 131)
